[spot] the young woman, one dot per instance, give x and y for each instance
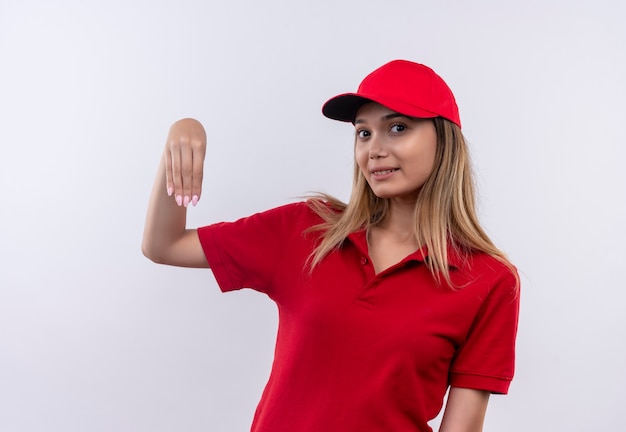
(385, 302)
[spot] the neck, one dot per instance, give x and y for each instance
(400, 221)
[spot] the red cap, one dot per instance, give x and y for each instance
(402, 86)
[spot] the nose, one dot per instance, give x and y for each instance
(377, 148)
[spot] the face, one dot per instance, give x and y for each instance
(395, 153)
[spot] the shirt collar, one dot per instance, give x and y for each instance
(456, 257)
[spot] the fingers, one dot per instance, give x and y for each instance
(198, 154)
(184, 162)
(182, 174)
(169, 182)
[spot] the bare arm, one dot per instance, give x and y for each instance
(465, 410)
(166, 240)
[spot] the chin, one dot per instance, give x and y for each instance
(401, 195)
(384, 195)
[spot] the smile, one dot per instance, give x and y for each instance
(383, 172)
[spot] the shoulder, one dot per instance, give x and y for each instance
(296, 216)
(285, 212)
(326, 205)
(484, 269)
(302, 211)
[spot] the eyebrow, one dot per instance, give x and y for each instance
(383, 118)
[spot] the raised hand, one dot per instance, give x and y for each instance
(166, 239)
(184, 154)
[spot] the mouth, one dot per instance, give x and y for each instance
(384, 171)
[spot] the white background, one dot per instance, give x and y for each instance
(94, 337)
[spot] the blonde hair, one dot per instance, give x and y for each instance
(444, 215)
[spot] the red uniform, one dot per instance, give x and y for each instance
(359, 351)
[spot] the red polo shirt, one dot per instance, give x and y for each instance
(359, 351)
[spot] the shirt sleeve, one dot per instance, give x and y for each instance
(247, 252)
(486, 359)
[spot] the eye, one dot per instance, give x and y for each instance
(398, 127)
(362, 133)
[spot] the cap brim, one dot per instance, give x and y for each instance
(345, 106)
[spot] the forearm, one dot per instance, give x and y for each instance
(178, 183)
(465, 410)
(165, 220)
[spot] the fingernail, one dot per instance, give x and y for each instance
(179, 200)
(169, 191)
(186, 201)
(194, 200)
